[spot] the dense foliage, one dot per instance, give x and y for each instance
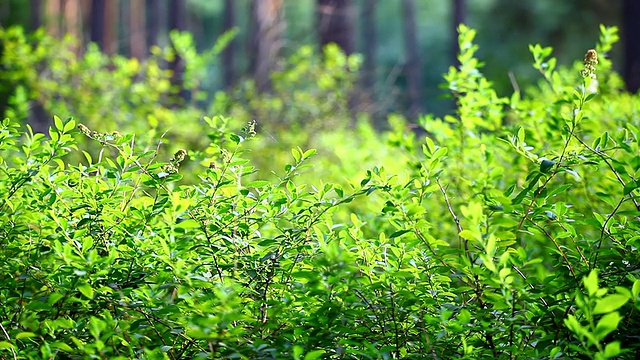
(507, 229)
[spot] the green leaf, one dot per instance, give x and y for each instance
(430, 146)
(441, 152)
(25, 335)
(297, 351)
(591, 282)
(235, 138)
(572, 323)
(54, 297)
(258, 183)
(488, 262)
(469, 235)
(313, 355)
(631, 186)
(70, 125)
(57, 122)
(6, 345)
(491, 245)
(297, 154)
(546, 165)
(86, 290)
(309, 153)
(399, 233)
(521, 135)
(610, 303)
(635, 290)
(590, 96)
(53, 133)
(62, 346)
(606, 325)
(612, 349)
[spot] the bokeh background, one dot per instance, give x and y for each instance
(406, 45)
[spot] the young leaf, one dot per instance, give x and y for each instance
(606, 325)
(591, 283)
(86, 290)
(610, 303)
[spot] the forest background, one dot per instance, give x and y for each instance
(406, 45)
(304, 179)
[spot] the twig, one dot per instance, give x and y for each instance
(455, 219)
(15, 356)
(564, 256)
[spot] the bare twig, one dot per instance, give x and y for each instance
(15, 356)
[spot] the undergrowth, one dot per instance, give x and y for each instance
(508, 231)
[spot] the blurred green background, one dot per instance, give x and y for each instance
(505, 28)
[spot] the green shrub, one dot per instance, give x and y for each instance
(509, 230)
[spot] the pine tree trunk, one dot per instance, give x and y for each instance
(268, 28)
(137, 29)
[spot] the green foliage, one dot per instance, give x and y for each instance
(134, 96)
(507, 229)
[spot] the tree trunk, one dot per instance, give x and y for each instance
(630, 36)
(53, 17)
(412, 70)
(111, 27)
(335, 23)
(228, 54)
(153, 24)
(36, 14)
(72, 23)
(268, 27)
(458, 19)
(98, 8)
(137, 33)
(104, 24)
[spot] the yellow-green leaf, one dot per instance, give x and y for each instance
(610, 303)
(86, 290)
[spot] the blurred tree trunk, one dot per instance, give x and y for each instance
(72, 23)
(53, 17)
(98, 8)
(459, 14)
(412, 71)
(104, 25)
(370, 39)
(137, 33)
(153, 27)
(36, 14)
(267, 30)
(335, 23)
(177, 21)
(228, 54)
(110, 40)
(630, 36)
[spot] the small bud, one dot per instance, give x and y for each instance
(591, 57)
(179, 156)
(590, 60)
